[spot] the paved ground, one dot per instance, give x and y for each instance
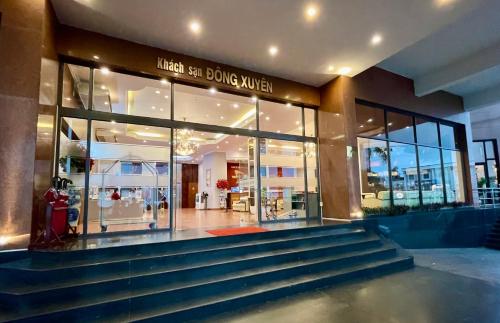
(462, 286)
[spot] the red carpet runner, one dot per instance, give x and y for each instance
(236, 231)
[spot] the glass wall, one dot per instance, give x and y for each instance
(210, 174)
(129, 177)
(282, 179)
(423, 155)
(486, 160)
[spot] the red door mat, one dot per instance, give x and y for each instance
(236, 231)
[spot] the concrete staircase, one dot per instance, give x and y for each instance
(493, 238)
(191, 279)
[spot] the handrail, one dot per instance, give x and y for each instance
(488, 197)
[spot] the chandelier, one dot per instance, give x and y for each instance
(184, 145)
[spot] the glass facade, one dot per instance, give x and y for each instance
(422, 155)
(485, 155)
(144, 153)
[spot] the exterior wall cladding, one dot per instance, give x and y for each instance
(27, 159)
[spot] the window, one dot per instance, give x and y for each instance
(75, 91)
(208, 106)
(370, 122)
(486, 159)
(427, 132)
(448, 136)
(310, 122)
(132, 95)
(431, 175)
(400, 127)
(403, 170)
(131, 168)
(454, 176)
(280, 118)
(374, 175)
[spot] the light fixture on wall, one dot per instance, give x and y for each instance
(184, 145)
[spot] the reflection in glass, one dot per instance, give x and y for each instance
(404, 174)
(448, 136)
(400, 127)
(490, 150)
(310, 122)
(370, 121)
(132, 95)
(282, 195)
(75, 91)
(127, 192)
(312, 180)
(492, 173)
(453, 175)
(430, 175)
(478, 151)
(209, 106)
(71, 163)
(280, 118)
(481, 176)
(427, 132)
(374, 175)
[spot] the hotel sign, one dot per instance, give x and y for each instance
(217, 75)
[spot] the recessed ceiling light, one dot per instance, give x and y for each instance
(288, 105)
(104, 70)
(153, 107)
(369, 120)
(218, 104)
(163, 81)
(195, 26)
(376, 39)
(157, 92)
(273, 50)
(361, 126)
(254, 98)
(389, 124)
(166, 96)
(236, 105)
(311, 12)
(212, 90)
(297, 122)
(106, 103)
(103, 87)
(96, 57)
(267, 118)
(330, 68)
(344, 70)
(222, 117)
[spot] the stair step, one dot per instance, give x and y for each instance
(177, 292)
(270, 291)
(249, 260)
(44, 265)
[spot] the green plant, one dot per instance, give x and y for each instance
(386, 211)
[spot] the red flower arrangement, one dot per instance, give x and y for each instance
(222, 184)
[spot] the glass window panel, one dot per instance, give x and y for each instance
(430, 175)
(75, 86)
(131, 95)
(478, 151)
(481, 176)
(453, 175)
(126, 191)
(490, 151)
(400, 127)
(373, 172)
(208, 106)
(427, 132)
(280, 118)
(404, 174)
(492, 173)
(310, 120)
(282, 197)
(312, 180)
(448, 136)
(71, 163)
(370, 121)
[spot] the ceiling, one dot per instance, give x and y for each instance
(239, 32)
(462, 58)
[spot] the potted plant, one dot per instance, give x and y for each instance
(222, 185)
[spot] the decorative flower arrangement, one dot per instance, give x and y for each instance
(222, 184)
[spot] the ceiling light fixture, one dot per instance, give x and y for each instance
(104, 70)
(345, 70)
(273, 50)
(236, 105)
(195, 26)
(163, 81)
(96, 57)
(157, 92)
(311, 12)
(376, 39)
(153, 107)
(330, 68)
(212, 90)
(254, 98)
(288, 105)
(166, 96)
